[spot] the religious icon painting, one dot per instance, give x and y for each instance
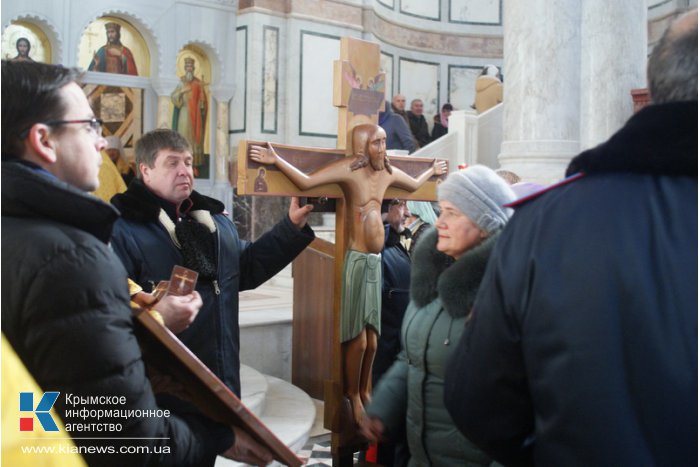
(113, 45)
(25, 42)
(190, 106)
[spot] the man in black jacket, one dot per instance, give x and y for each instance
(65, 303)
(418, 124)
(582, 348)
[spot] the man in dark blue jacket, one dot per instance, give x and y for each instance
(398, 134)
(582, 349)
(165, 223)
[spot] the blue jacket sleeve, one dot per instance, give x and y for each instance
(404, 134)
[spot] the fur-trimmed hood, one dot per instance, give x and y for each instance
(140, 205)
(672, 151)
(435, 274)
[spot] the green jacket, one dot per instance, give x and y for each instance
(442, 294)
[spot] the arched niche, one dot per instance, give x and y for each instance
(23, 32)
(193, 54)
(95, 37)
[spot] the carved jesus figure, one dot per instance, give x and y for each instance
(363, 179)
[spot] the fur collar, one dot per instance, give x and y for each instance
(434, 274)
(141, 205)
(660, 139)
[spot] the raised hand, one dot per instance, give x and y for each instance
(299, 215)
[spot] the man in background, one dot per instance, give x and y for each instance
(115, 151)
(398, 134)
(398, 106)
(418, 123)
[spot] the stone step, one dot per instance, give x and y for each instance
(254, 388)
(286, 410)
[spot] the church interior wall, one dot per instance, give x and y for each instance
(271, 61)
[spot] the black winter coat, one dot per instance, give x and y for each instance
(396, 279)
(583, 346)
(419, 128)
(148, 253)
(65, 310)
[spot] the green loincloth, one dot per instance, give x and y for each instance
(361, 296)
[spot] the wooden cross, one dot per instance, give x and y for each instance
(358, 92)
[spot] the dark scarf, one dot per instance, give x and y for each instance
(660, 139)
(434, 274)
(197, 247)
(197, 243)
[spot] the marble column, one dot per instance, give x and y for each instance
(613, 62)
(163, 88)
(541, 87)
(221, 165)
(569, 68)
(221, 187)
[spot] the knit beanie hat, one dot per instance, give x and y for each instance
(480, 194)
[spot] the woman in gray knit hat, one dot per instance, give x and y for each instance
(447, 268)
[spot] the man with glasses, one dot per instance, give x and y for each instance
(65, 303)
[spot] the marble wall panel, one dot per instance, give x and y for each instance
(239, 102)
(420, 80)
(386, 62)
(270, 79)
(428, 9)
(460, 85)
(317, 116)
(476, 11)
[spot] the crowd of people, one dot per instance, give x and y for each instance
(414, 133)
(408, 129)
(554, 329)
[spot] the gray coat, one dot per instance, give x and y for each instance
(442, 294)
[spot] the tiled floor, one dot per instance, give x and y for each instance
(317, 451)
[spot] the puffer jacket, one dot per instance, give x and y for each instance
(442, 293)
(65, 310)
(145, 246)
